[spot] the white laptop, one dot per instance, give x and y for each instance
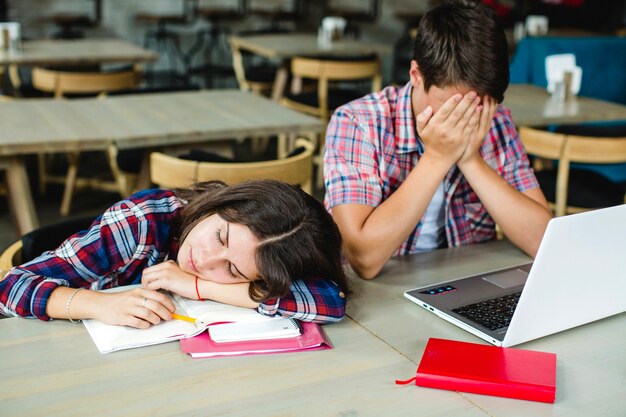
(578, 276)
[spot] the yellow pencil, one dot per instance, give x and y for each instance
(185, 318)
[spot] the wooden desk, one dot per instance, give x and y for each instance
(133, 121)
(287, 45)
(590, 359)
(533, 106)
(55, 369)
(76, 52)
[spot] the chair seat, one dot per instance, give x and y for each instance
(606, 130)
(261, 73)
(161, 18)
(220, 14)
(336, 98)
(586, 189)
(51, 236)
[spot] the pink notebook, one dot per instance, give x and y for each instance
(312, 338)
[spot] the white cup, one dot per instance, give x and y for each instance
(333, 27)
(10, 35)
(537, 25)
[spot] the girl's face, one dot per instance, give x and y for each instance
(219, 251)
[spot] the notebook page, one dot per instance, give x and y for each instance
(212, 312)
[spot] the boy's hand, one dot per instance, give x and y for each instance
(477, 134)
(445, 134)
(168, 276)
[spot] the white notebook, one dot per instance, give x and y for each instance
(110, 338)
(280, 328)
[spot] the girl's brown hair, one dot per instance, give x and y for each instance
(297, 236)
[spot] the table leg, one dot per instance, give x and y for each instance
(280, 82)
(19, 195)
(143, 180)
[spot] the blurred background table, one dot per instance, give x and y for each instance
(131, 121)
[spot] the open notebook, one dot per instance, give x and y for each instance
(110, 338)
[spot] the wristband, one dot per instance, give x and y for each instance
(198, 292)
(67, 306)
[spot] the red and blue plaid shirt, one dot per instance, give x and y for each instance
(372, 145)
(130, 236)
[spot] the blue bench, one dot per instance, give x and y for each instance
(603, 60)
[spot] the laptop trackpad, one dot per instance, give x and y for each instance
(508, 279)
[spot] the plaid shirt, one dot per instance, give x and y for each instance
(372, 145)
(130, 236)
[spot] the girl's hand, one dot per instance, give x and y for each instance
(138, 308)
(168, 276)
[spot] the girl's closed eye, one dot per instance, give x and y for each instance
(230, 270)
(218, 236)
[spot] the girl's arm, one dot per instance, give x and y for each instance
(317, 300)
(104, 256)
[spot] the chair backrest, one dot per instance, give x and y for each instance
(42, 239)
(328, 70)
(10, 257)
(571, 148)
(62, 82)
(170, 172)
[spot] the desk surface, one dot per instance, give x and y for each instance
(143, 120)
(289, 45)
(76, 52)
(533, 106)
(54, 368)
(591, 359)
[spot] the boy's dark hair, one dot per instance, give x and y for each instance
(460, 42)
(298, 238)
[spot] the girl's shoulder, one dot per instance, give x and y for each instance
(154, 204)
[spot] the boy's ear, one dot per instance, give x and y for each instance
(415, 75)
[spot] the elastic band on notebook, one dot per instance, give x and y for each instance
(407, 382)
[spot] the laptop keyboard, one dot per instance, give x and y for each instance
(493, 314)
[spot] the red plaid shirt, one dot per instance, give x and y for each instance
(130, 236)
(372, 145)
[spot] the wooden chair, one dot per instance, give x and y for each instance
(321, 103)
(575, 190)
(44, 238)
(170, 172)
(61, 83)
(258, 79)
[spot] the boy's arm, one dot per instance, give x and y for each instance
(523, 216)
(372, 234)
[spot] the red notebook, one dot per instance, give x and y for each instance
(311, 338)
(490, 370)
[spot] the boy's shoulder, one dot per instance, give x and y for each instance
(380, 104)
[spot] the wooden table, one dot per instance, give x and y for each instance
(76, 52)
(55, 369)
(79, 52)
(287, 45)
(132, 121)
(533, 106)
